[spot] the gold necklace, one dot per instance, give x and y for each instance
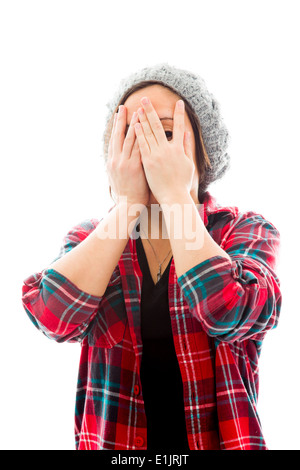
(159, 269)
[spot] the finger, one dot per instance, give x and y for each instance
(148, 134)
(179, 126)
(119, 132)
(111, 136)
(143, 144)
(188, 145)
(130, 137)
(154, 121)
(114, 123)
(135, 153)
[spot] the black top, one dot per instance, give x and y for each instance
(160, 374)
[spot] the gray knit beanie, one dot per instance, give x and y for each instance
(193, 88)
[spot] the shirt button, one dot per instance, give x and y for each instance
(136, 390)
(138, 441)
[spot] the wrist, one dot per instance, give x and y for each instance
(124, 200)
(120, 220)
(180, 197)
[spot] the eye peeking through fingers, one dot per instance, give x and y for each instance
(169, 134)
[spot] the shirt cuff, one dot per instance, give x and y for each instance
(213, 281)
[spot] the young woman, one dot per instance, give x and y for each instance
(171, 308)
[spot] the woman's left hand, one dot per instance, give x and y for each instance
(168, 165)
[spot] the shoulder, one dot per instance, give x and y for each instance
(252, 221)
(230, 217)
(76, 234)
(83, 228)
(87, 225)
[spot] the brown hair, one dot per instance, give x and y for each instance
(202, 159)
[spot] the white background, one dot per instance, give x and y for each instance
(61, 61)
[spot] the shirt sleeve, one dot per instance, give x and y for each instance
(238, 299)
(55, 305)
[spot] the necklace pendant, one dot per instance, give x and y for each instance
(159, 274)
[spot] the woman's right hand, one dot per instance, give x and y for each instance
(124, 163)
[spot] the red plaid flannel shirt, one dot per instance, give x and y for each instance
(220, 312)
